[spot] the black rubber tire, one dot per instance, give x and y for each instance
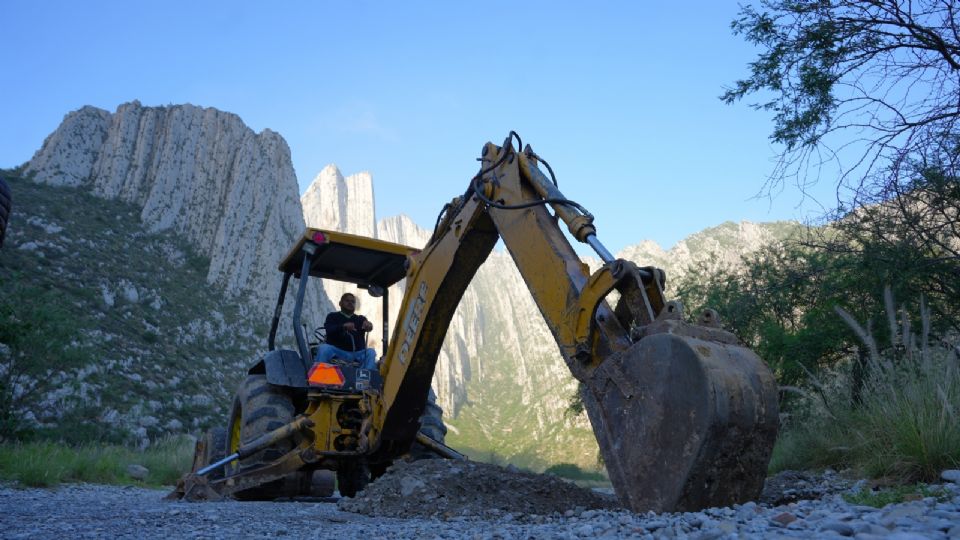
(214, 448)
(323, 483)
(259, 408)
(352, 477)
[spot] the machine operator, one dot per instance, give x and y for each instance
(346, 336)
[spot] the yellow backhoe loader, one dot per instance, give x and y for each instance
(685, 416)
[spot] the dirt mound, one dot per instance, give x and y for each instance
(446, 488)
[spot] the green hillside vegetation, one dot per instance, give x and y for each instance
(869, 383)
(112, 333)
(497, 427)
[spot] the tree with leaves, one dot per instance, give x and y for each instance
(781, 305)
(865, 94)
(866, 89)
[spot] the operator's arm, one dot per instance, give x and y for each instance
(365, 325)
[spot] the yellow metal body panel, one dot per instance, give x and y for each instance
(336, 431)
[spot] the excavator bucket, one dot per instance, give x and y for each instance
(686, 418)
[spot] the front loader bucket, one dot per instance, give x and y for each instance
(686, 419)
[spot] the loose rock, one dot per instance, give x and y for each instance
(137, 472)
(784, 519)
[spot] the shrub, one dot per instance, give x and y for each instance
(902, 423)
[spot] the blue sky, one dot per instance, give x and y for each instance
(619, 97)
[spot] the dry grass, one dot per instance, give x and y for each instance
(906, 425)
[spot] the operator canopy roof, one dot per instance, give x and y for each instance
(350, 258)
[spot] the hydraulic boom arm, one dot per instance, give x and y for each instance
(685, 417)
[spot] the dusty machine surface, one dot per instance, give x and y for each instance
(685, 416)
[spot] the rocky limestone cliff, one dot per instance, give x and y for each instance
(343, 204)
(197, 171)
(402, 230)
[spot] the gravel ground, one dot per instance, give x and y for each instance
(92, 511)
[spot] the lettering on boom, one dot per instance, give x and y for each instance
(412, 322)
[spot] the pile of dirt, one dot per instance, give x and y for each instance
(448, 488)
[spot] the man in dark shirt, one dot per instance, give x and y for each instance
(346, 335)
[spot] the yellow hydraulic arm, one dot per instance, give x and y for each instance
(685, 417)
